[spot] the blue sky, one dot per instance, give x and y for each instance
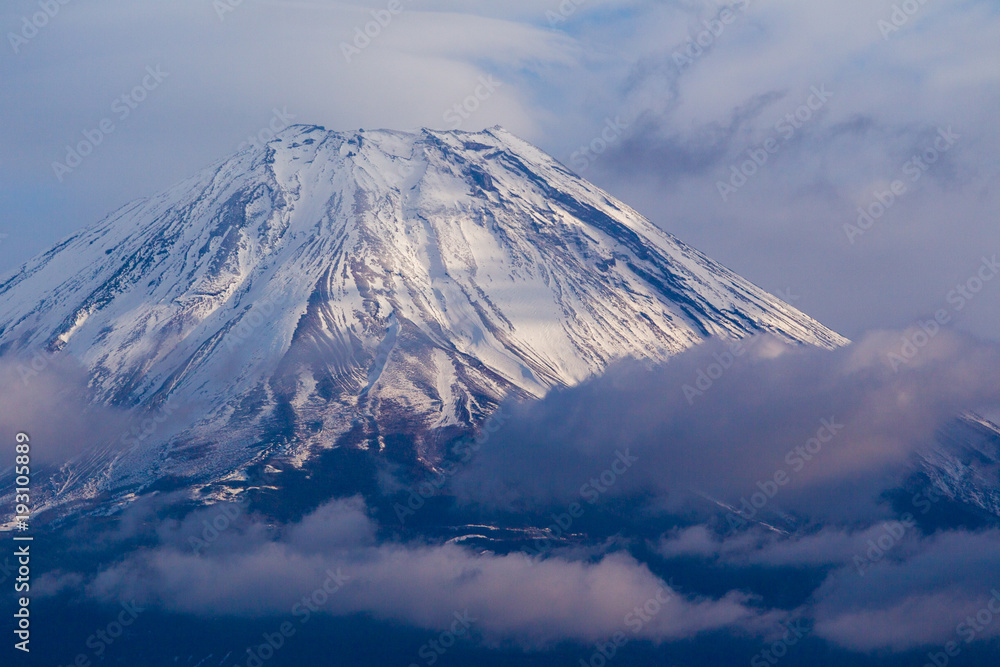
(692, 116)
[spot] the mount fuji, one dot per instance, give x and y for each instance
(372, 289)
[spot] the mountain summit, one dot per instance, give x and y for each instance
(355, 288)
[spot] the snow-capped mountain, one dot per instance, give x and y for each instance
(353, 287)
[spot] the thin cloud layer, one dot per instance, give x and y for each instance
(819, 434)
(948, 592)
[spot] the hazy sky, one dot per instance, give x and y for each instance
(200, 76)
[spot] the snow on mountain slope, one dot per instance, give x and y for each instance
(964, 464)
(336, 287)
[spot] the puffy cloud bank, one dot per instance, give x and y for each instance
(758, 431)
(330, 563)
